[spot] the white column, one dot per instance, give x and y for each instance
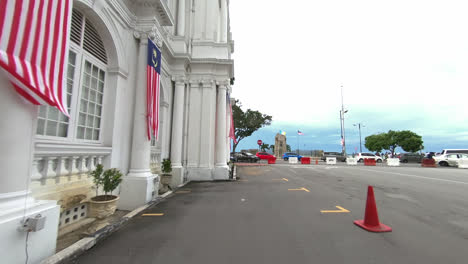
(177, 132)
(181, 18)
(228, 127)
(223, 24)
(221, 168)
(221, 126)
(141, 146)
(17, 131)
(165, 129)
(138, 187)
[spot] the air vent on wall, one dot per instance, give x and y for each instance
(91, 42)
(76, 27)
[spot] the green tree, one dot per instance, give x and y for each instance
(245, 123)
(407, 140)
(264, 147)
(288, 148)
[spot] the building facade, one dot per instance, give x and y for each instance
(46, 157)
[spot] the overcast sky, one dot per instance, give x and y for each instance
(403, 64)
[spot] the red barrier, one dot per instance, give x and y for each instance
(271, 160)
(369, 162)
(305, 160)
(428, 163)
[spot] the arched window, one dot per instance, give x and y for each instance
(86, 78)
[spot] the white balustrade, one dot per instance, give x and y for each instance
(73, 163)
(50, 167)
(52, 161)
(82, 166)
(37, 168)
(62, 166)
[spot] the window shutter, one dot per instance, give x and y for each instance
(92, 42)
(89, 39)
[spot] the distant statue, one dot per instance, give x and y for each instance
(280, 145)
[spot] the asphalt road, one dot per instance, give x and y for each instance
(261, 219)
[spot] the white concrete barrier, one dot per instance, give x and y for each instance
(463, 163)
(292, 160)
(351, 161)
(331, 160)
(393, 162)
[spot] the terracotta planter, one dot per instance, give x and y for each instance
(102, 209)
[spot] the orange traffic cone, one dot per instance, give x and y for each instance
(371, 218)
(316, 162)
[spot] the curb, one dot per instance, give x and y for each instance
(68, 254)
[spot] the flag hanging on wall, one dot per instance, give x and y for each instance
(34, 48)
(153, 72)
(232, 133)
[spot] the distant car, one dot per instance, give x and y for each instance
(288, 155)
(264, 156)
(456, 151)
(361, 156)
(339, 156)
(410, 157)
(244, 157)
(450, 159)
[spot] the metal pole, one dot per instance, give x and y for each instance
(360, 143)
(342, 114)
(341, 127)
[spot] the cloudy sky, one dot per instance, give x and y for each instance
(403, 64)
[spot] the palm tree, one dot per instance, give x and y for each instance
(264, 147)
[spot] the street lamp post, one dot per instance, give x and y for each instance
(342, 112)
(360, 143)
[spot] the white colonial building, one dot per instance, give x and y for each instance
(46, 157)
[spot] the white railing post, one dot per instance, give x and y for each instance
(37, 168)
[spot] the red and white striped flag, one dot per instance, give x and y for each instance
(34, 48)
(153, 72)
(232, 134)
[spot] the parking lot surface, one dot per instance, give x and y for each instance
(293, 213)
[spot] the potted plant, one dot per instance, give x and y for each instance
(104, 205)
(166, 177)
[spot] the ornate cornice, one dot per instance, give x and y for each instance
(144, 30)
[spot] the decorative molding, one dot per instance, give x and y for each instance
(118, 71)
(179, 79)
(207, 83)
(145, 30)
(165, 104)
(223, 83)
(121, 11)
(155, 6)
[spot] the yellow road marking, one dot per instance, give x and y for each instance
(300, 189)
(342, 210)
(283, 179)
(183, 191)
(160, 214)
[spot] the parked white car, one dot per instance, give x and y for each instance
(450, 159)
(361, 156)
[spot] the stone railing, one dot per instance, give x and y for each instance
(54, 161)
(155, 160)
